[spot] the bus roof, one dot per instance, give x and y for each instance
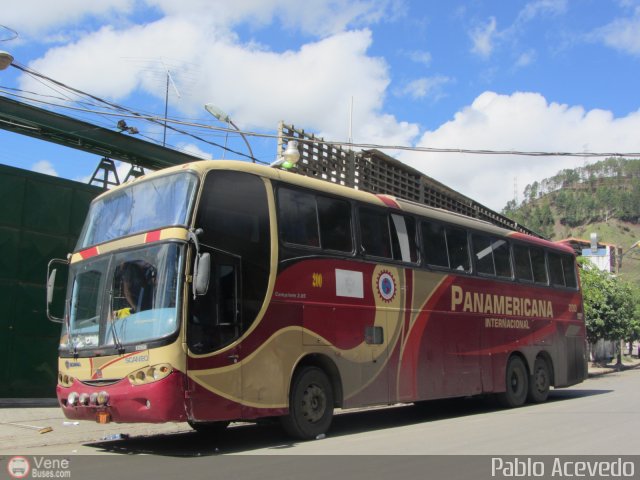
(201, 167)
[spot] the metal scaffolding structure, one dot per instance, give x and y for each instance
(374, 171)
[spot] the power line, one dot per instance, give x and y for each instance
(125, 112)
(121, 111)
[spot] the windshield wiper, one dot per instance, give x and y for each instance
(112, 326)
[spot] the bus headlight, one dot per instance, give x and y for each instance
(72, 399)
(102, 398)
(150, 374)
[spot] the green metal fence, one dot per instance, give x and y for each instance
(40, 219)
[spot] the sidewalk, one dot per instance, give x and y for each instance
(22, 420)
(627, 363)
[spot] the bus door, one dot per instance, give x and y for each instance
(215, 322)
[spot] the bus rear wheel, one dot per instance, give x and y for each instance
(310, 404)
(517, 383)
(539, 382)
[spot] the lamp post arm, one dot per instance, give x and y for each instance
(253, 159)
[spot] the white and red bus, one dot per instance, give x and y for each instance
(220, 291)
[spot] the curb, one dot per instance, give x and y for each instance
(28, 402)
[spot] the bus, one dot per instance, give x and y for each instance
(220, 291)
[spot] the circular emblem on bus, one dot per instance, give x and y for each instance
(386, 286)
(18, 467)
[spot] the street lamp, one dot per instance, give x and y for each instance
(223, 117)
(6, 59)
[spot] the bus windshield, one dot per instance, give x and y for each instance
(145, 205)
(124, 298)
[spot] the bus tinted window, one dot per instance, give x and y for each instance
(374, 231)
(538, 265)
(483, 254)
(556, 274)
(492, 256)
(298, 218)
(522, 263)
(569, 269)
(404, 238)
(458, 249)
(434, 244)
(502, 258)
(335, 224)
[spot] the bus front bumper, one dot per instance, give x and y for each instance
(156, 402)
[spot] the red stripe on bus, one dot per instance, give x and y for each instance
(89, 252)
(152, 236)
(389, 202)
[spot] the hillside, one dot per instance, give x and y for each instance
(603, 197)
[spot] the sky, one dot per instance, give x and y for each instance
(537, 75)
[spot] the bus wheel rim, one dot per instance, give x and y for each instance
(314, 402)
(541, 380)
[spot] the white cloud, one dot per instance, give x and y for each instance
(483, 38)
(622, 34)
(519, 122)
(316, 17)
(313, 17)
(422, 57)
(425, 87)
(30, 17)
(537, 7)
(255, 86)
(194, 150)
(45, 167)
(486, 37)
(525, 59)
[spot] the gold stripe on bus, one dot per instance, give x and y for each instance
(173, 233)
(257, 365)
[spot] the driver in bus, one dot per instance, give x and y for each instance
(135, 281)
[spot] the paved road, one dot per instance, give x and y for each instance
(599, 416)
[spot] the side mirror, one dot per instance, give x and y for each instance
(51, 281)
(201, 274)
(56, 280)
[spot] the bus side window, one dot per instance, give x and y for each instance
(556, 273)
(492, 256)
(483, 254)
(403, 238)
(374, 232)
(539, 265)
(434, 244)
(298, 217)
(569, 268)
(335, 224)
(458, 249)
(522, 263)
(502, 258)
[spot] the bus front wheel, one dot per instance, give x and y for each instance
(310, 404)
(517, 380)
(539, 382)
